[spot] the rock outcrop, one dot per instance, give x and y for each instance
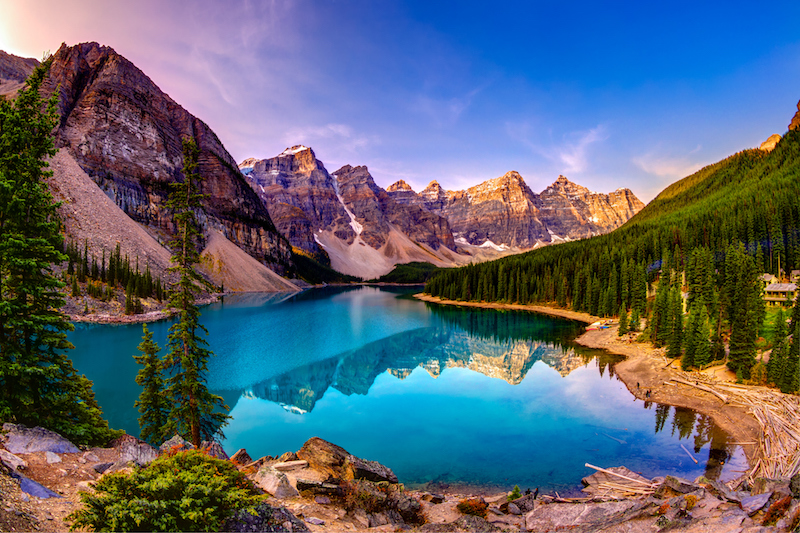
(14, 70)
(795, 123)
(344, 217)
(771, 142)
(126, 134)
(505, 212)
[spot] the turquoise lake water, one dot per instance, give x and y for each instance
(442, 395)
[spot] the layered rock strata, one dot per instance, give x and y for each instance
(506, 212)
(126, 134)
(345, 215)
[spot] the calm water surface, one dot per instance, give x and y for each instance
(442, 395)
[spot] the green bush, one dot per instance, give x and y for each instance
(185, 491)
(515, 494)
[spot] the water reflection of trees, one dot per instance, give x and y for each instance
(502, 325)
(687, 423)
(496, 344)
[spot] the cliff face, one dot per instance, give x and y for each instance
(506, 212)
(14, 70)
(362, 228)
(126, 133)
(795, 123)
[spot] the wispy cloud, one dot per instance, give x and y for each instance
(446, 111)
(340, 136)
(665, 166)
(570, 155)
(573, 152)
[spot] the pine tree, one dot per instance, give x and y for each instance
(702, 348)
(38, 383)
(675, 340)
(623, 321)
(635, 319)
(152, 403)
(195, 413)
(779, 334)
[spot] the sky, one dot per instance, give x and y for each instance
(609, 94)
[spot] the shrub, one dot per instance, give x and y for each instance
(473, 506)
(184, 491)
(515, 494)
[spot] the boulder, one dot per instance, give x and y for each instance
(356, 468)
(102, 467)
(557, 516)
(133, 450)
(513, 509)
(241, 458)
(214, 449)
(12, 461)
(323, 456)
(524, 503)
(21, 439)
(274, 482)
(52, 458)
(264, 517)
(318, 487)
(679, 485)
(286, 457)
(176, 443)
(33, 488)
(753, 504)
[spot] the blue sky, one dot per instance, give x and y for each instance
(610, 94)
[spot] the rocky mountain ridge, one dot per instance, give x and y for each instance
(504, 211)
(349, 218)
(344, 216)
(126, 134)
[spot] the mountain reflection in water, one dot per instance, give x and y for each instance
(442, 395)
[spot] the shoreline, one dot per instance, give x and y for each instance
(646, 367)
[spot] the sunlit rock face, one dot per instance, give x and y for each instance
(300, 195)
(344, 217)
(506, 212)
(126, 134)
(795, 123)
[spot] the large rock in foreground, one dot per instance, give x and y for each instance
(338, 463)
(22, 439)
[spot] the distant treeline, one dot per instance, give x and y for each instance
(414, 272)
(103, 277)
(746, 203)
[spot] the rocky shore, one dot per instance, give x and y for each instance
(323, 488)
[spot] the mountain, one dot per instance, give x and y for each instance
(505, 212)
(344, 217)
(126, 133)
(119, 137)
(745, 202)
(14, 70)
(365, 230)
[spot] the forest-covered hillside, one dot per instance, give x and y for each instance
(746, 203)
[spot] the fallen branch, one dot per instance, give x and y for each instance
(609, 472)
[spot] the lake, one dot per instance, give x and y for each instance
(442, 395)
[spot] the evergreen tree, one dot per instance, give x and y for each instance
(635, 319)
(38, 384)
(623, 321)
(790, 381)
(780, 332)
(702, 348)
(195, 413)
(675, 341)
(152, 403)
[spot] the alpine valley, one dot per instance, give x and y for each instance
(120, 137)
